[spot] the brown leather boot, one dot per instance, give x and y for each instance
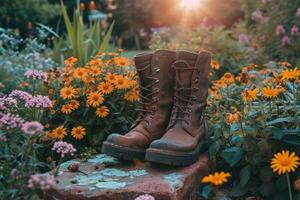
(181, 143)
(156, 84)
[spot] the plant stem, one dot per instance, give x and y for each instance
(289, 186)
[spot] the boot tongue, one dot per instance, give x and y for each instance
(183, 77)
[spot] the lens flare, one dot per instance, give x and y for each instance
(189, 4)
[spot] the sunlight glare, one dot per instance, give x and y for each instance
(189, 4)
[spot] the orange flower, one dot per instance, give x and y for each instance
(270, 92)
(102, 112)
(110, 77)
(105, 87)
(122, 82)
(70, 61)
(291, 74)
(95, 70)
(232, 118)
(95, 99)
(132, 96)
(74, 104)
(79, 73)
(249, 95)
(78, 132)
(66, 109)
(68, 92)
(96, 62)
(214, 64)
(121, 61)
(228, 78)
(59, 133)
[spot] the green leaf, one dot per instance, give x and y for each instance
(267, 189)
(245, 175)
(266, 174)
(106, 38)
(206, 191)
(238, 190)
(279, 120)
(232, 155)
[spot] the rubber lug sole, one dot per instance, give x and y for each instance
(174, 158)
(123, 153)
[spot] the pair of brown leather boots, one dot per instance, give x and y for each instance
(171, 127)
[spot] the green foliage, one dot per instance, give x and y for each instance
(80, 43)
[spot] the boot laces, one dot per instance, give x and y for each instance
(183, 98)
(148, 101)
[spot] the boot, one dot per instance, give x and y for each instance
(156, 98)
(181, 143)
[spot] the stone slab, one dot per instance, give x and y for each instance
(104, 178)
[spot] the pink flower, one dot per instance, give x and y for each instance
(63, 148)
(285, 40)
(3, 138)
(38, 181)
(257, 16)
(243, 38)
(38, 101)
(36, 75)
(145, 197)
(32, 128)
(9, 121)
(295, 31)
(280, 30)
(298, 13)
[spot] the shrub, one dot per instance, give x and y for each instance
(251, 117)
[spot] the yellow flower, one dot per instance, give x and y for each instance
(74, 104)
(102, 112)
(78, 132)
(122, 82)
(95, 99)
(284, 162)
(270, 92)
(132, 96)
(96, 62)
(105, 87)
(110, 77)
(297, 185)
(68, 92)
(249, 95)
(228, 78)
(79, 73)
(232, 118)
(59, 133)
(218, 178)
(70, 61)
(121, 61)
(66, 109)
(214, 64)
(291, 74)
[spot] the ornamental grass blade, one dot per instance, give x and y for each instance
(106, 38)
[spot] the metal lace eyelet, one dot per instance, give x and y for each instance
(157, 70)
(196, 88)
(196, 80)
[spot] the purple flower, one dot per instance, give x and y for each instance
(9, 121)
(25, 96)
(243, 38)
(32, 128)
(295, 31)
(38, 181)
(298, 13)
(38, 101)
(63, 148)
(257, 16)
(285, 40)
(280, 30)
(36, 75)
(145, 197)
(3, 138)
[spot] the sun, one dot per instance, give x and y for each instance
(189, 4)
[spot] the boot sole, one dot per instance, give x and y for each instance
(122, 152)
(174, 158)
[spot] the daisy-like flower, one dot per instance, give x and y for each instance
(232, 118)
(70, 61)
(95, 70)
(95, 99)
(66, 109)
(78, 132)
(214, 64)
(96, 62)
(249, 95)
(68, 92)
(218, 178)
(121, 61)
(74, 104)
(228, 78)
(105, 87)
(297, 185)
(284, 162)
(270, 92)
(79, 73)
(110, 77)
(59, 133)
(291, 74)
(122, 82)
(102, 112)
(132, 96)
